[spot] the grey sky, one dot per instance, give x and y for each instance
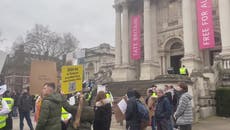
(91, 21)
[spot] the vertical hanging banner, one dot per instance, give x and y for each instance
(205, 24)
(136, 37)
(72, 77)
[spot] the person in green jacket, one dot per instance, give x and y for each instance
(50, 115)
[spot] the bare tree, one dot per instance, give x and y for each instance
(42, 41)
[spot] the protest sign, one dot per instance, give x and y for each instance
(72, 77)
(119, 110)
(122, 106)
(101, 88)
(41, 73)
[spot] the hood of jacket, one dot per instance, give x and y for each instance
(54, 97)
(102, 102)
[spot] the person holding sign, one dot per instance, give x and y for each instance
(85, 119)
(103, 112)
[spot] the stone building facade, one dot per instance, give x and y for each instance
(98, 61)
(169, 37)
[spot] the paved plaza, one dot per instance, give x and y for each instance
(212, 123)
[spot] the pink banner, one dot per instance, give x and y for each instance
(205, 24)
(136, 37)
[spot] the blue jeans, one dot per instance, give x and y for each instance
(27, 116)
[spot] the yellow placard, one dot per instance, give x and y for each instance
(71, 80)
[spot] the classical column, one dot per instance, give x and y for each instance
(125, 72)
(147, 32)
(118, 52)
(150, 68)
(125, 38)
(191, 52)
(224, 8)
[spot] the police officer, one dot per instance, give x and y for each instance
(10, 103)
(4, 109)
(65, 116)
(183, 71)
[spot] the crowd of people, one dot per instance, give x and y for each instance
(169, 108)
(164, 108)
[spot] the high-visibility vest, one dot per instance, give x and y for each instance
(10, 102)
(183, 70)
(64, 114)
(154, 95)
(3, 117)
(108, 96)
(89, 96)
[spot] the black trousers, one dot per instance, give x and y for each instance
(9, 123)
(185, 127)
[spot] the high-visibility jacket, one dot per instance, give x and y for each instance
(154, 95)
(10, 102)
(108, 95)
(3, 117)
(89, 96)
(64, 114)
(183, 71)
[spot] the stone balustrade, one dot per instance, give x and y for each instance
(226, 63)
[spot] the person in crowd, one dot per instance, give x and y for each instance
(151, 106)
(25, 106)
(87, 115)
(133, 122)
(183, 70)
(10, 103)
(163, 111)
(169, 93)
(50, 112)
(38, 108)
(103, 112)
(15, 97)
(151, 91)
(4, 109)
(183, 114)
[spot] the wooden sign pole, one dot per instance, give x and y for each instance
(78, 114)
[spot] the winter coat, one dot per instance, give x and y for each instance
(25, 103)
(50, 113)
(184, 114)
(163, 109)
(132, 119)
(103, 114)
(87, 117)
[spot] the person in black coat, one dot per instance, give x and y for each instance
(103, 112)
(163, 111)
(133, 122)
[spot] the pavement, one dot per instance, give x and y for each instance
(212, 123)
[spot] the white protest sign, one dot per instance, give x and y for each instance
(122, 106)
(101, 88)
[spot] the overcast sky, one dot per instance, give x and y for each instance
(91, 21)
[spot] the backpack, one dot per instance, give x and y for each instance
(143, 114)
